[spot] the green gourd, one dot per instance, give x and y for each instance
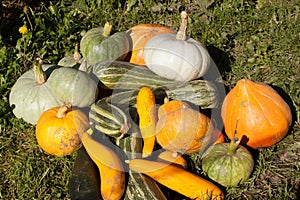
(109, 119)
(31, 94)
(229, 164)
(126, 79)
(73, 60)
(98, 44)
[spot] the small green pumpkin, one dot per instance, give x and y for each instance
(229, 164)
(31, 94)
(73, 87)
(98, 44)
(73, 60)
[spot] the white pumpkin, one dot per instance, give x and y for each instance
(177, 57)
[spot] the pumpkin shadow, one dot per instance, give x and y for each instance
(222, 62)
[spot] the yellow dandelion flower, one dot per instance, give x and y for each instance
(25, 8)
(23, 30)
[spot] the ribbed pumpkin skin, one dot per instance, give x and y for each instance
(61, 136)
(227, 170)
(31, 99)
(176, 59)
(184, 130)
(73, 87)
(257, 112)
(95, 47)
(140, 34)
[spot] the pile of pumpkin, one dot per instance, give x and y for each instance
(114, 90)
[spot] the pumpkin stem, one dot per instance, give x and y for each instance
(107, 29)
(39, 74)
(83, 66)
(181, 34)
(62, 111)
(233, 145)
(76, 54)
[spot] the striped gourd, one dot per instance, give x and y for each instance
(199, 92)
(125, 75)
(109, 119)
(139, 186)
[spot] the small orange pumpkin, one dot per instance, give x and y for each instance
(256, 112)
(183, 130)
(59, 129)
(139, 35)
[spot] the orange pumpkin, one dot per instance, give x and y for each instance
(254, 112)
(170, 106)
(59, 129)
(139, 35)
(183, 130)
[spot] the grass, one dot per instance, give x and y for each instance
(259, 40)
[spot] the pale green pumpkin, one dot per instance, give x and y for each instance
(73, 87)
(31, 94)
(73, 60)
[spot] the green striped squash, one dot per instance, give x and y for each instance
(199, 92)
(109, 119)
(98, 44)
(139, 186)
(125, 75)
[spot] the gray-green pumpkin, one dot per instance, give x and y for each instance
(229, 164)
(73, 87)
(98, 44)
(73, 60)
(31, 94)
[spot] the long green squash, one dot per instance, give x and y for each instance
(125, 75)
(119, 75)
(199, 92)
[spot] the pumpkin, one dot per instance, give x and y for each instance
(98, 44)
(31, 94)
(229, 164)
(256, 113)
(59, 129)
(183, 130)
(176, 56)
(139, 35)
(73, 87)
(73, 60)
